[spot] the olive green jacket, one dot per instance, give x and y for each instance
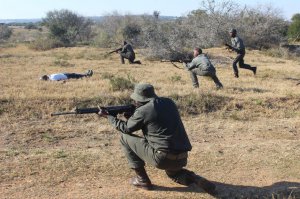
(127, 49)
(237, 44)
(160, 123)
(202, 63)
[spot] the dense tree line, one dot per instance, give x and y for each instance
(208, 26)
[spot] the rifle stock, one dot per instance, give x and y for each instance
(112, 110)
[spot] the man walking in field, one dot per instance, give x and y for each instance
(164, 144)
(239, 48)
(202, 66)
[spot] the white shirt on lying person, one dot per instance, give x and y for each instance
(57, 77)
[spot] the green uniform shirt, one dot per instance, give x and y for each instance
(202, 63)
(127, 48)
(238, 44)
(160, 123)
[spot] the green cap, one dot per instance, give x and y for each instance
(143, 92)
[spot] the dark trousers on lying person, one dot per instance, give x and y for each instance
(74, 75)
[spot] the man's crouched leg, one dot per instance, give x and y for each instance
(141, 180)
(186, 177)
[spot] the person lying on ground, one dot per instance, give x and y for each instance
(65, 76)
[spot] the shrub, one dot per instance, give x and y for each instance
(131, 31)
(68, 27)
(120, 84)
(5, 32)
(175, 78)
(43, 44)
(294, 28)
(31, 26)
(199, 103)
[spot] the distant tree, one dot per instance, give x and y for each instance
(294, 28)
(115, 28)
(259, 27)
(262, 26)
(68, 27)
(131, 32)
(210, 23)
(156, 14)
(5, 32)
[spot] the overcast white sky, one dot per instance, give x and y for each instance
(25, 9)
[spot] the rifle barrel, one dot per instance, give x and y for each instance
(63, 113)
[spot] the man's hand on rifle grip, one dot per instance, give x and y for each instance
(103, 113)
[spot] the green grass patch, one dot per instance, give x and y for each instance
(200, 103)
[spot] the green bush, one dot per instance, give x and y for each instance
(294, 28)
(200, 103)
(68, 27)
(175, 78)
(5, 32)
(31, 26)
(120, 84)
(43, 44)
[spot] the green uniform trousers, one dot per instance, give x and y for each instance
(130, 56)
(240, 60)
(212, 74)
(138, 151)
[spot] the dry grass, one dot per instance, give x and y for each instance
(245, 137)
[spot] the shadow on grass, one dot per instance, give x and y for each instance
(279, 190)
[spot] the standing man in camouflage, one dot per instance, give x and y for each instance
(239, 48)
(164, 144)
(202, 66)
(127, 53)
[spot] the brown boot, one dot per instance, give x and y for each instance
(141, 180)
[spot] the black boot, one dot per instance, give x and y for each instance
(122, 59)
(254, 70)
(141, 180)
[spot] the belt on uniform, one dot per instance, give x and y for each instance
(172, 156)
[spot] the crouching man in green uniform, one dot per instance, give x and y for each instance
(202, 66)
(164, 144)
(127, 52)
